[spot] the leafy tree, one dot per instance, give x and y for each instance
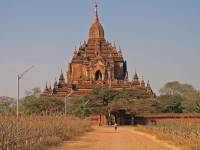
(171, 103)
(103, 95)
(103, 100)
(176, 87)
(79, 106)
(41, 105)
(82, 110)
(35, 92)
(177, 108)
(197, 108)
(6, 103)
(128, 94)
(147, 106)
(179, 97)
(191, 102)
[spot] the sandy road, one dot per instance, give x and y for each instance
(126, 138)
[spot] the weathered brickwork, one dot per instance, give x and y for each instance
(95, 63)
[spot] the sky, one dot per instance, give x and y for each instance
(161, 39)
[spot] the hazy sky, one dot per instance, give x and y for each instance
(160, 38)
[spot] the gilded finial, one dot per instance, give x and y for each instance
(96, 6)
(96, 19)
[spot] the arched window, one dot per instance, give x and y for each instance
(98, 75)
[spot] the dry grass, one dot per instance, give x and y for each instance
(184, 134)
(35, 132)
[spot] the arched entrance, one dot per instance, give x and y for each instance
(122, 117)
(98, 75)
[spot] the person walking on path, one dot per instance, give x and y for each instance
(115, 126)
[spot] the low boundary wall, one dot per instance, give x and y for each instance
(153, 118)
(156, 118)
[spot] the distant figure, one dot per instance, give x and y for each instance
(115, 126)
(154, 122)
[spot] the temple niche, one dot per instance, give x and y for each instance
(95, 63)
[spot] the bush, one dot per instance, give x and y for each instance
(42, 105)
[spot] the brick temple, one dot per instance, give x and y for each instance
(96, 63)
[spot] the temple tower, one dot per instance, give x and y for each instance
(95, 63)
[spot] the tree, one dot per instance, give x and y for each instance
(128, 94)
(146, 106)
(103, 95)
(176, 87)
(171, 103)
(6, 103)
(103, 100)
(192, 102)
(42, 105)
(35, 92)
(82, 110)
(79, 106)
(179, 97)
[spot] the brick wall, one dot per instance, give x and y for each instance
(156, 118)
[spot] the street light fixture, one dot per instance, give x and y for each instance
(65, 104)
(19, 76)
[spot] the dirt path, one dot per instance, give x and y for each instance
(104, 138)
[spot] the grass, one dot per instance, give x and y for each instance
(38, 132)
(184, 134)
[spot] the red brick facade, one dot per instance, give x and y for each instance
(95, 63)
(152, 119)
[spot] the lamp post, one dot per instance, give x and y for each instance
(65, 104)
(19, 76)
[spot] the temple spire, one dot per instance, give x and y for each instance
(61, 76)
(120, 48)
(142, 82)
(136, 75)
(46, 87)
(148, 85)
(61, 81)
(96, 17)
(49, 85)
(55, 83)
(96, 30)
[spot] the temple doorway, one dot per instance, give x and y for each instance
(122, 117)
(98, 75)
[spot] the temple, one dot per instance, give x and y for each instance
(96, 63)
